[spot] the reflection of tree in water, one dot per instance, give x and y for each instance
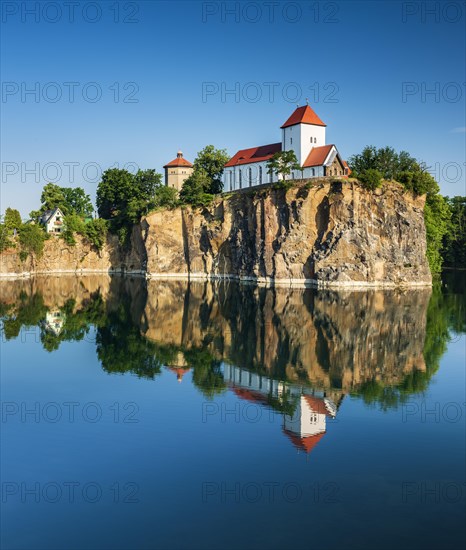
(256, 329)
(27, 312)
(446, 317)
(121, 348)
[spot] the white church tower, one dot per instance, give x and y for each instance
(303, 131)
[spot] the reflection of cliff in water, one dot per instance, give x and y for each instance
(328, 339)
(381, 344)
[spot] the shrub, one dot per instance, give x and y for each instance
(5, 241)
(418, 181)
(370, 179)
(72, 224)
(96, 232)
(31, 239)
(165, 197)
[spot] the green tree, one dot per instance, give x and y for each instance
(454, 250)
(53, 197)
(437, 218)
(5, 241)
(123, 198)
(70, 200)
(96, 232)
(165, 197)
(282, 163)
(31, 239)
(385, 159)
(211, 162)
(72, 224)
(194, 189)
(12, 220)
(370, 178)
(77, 202)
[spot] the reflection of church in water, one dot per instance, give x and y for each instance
(305, 410)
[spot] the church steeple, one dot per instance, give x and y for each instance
(303, 131)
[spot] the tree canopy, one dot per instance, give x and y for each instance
(123, 198)
(196, 188)
(70, 200)
(211, 162)
(283, 163)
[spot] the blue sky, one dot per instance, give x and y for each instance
(353, 60)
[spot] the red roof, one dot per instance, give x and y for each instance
(303, 115)
(317, 156)
(179, 161)
(305, 444)
(254, 154)
(179, 371)
(249, 395)
(316, 404)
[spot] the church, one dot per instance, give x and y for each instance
(304, 133)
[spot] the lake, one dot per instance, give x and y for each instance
(167, 414)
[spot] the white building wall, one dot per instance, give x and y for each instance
(301, 138)
(315, 172)
(250, 176)
(305, 421)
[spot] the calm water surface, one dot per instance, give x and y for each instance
(174, 415)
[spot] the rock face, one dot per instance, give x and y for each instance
(327, 234)
(331, 234)
(60, 257)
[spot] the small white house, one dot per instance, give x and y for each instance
(54, 321)
(304, 133)
(53, 221)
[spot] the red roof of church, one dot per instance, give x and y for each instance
(317, 156)
(303, 115)
(249, 395)
(254, 154)
(305, 444)
(316, 404)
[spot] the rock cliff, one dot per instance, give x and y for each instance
(328, 234)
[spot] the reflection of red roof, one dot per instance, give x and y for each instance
(249, 395)
(179, 371)
(316, 404)
(305, 444)
(303, 115)
(254, 154)
(317, 156)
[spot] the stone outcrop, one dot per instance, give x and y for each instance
(81, 258)
(325, 234)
